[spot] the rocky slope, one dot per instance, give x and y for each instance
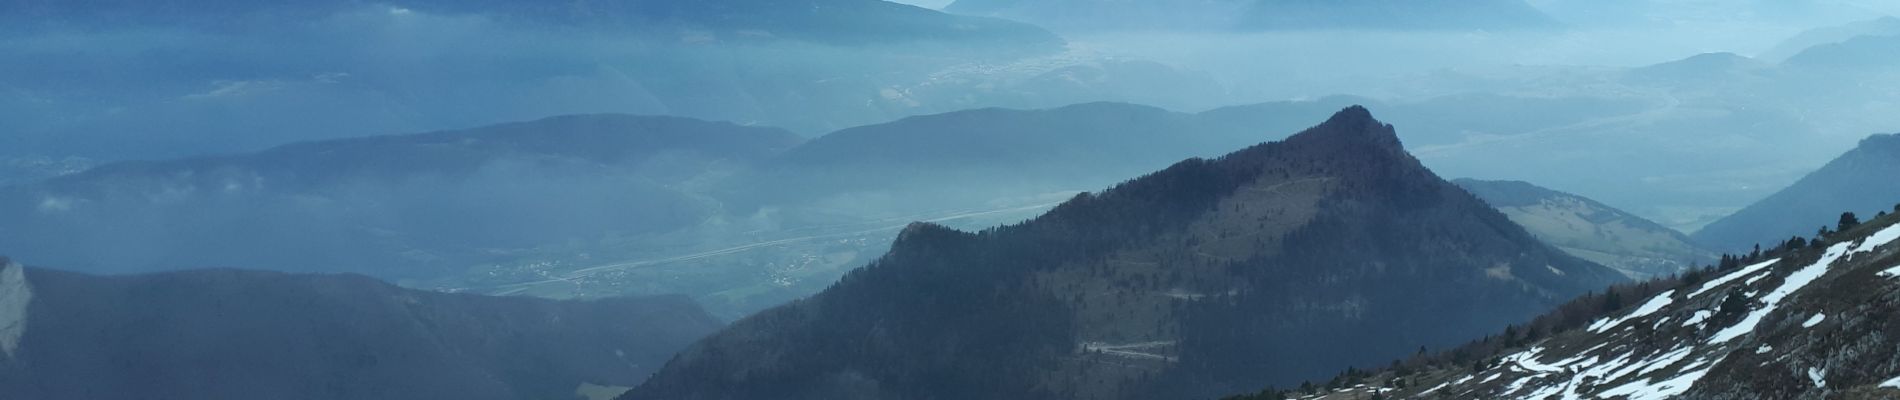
(1806, 320)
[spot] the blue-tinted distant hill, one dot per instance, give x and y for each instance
(830, 21)
(1867, 52)
(1861, 181)
(1264, 15)
(1882, 26)
(1591, 230)
(399, 206)
(112, 80)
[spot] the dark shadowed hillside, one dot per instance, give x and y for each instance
(230, 334)
(1591, 230)
(1280, 262)
(1861, 181)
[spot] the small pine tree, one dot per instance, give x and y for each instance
(1693, 276)
(1728, 263)
(1612, 300)
(1848, 221)
(1736, 303)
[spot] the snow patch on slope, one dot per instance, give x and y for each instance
(1655, 304)
(1814, 320)
(1655, 390)
(1700, 315)
(1794, 282)
(15, 293)
(1738, 274)
(1884, 236)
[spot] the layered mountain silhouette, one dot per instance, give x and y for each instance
(498, 209)
(394, 206)
(1883, 26)
(826, 21)
(1866, 52)
(228, 334)
(1859, 181)
(968, 157)
(1591, 230)
(253, 75)
(1276, 263)
(1805, 319)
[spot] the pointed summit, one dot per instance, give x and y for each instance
(1353, 113)
(1887, 143)
(1353, 125)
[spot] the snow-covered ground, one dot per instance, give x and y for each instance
(1645, 354)
(15, 293)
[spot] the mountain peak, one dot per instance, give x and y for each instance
(1181, 280)
(1889, 141)
(1352, 113)
(916, 229)
(1355, 128)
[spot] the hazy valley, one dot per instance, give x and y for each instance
(948, 199)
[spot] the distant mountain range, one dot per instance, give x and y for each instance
(1884, 26)
(978, 155)
(1272, 264)
(1858, 181)
(827, 21)
(1455, 15)
(230, 334)
(405, 206)
(1867, 52)
(1592, 230)
(687, 206)
(1801, 320)
(232, 76)
(1263, 15)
